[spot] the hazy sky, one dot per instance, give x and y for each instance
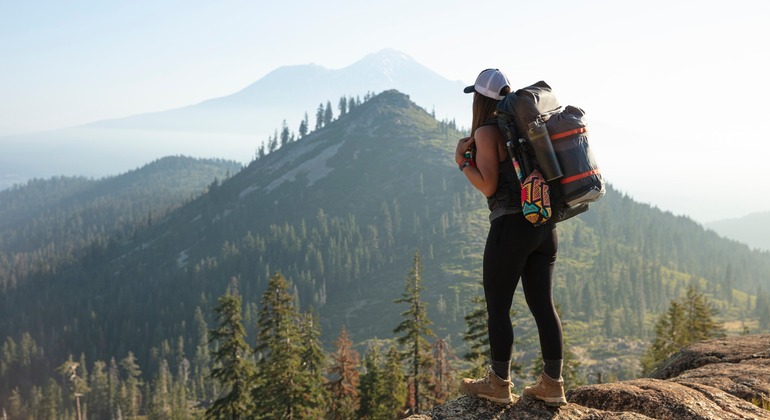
(690, 77)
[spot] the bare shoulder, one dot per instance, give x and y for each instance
(488, 133)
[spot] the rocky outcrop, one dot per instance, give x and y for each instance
(727, 378)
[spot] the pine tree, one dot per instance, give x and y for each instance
(114, 385)
(202, 360)
(279, 367)
(233, 369)
(16, 406)
(328, 113)
(687, 320)
(394, 383)
(700, 317)
(99, 397)
(319, 117)
(160, 398)
(132, 382)
(475, 337)
(762, 309)
(284, 133)
(77, 383)
(415, 327)
(303, 126)
(343, 385)
(272, 142)
(382, 389)
(343, 106)
(315, 397)
(369, 390)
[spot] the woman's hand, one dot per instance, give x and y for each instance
(462, 145)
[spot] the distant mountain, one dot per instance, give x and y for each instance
(58, 219)
(340, 213)
(230, 127)
(752, 230)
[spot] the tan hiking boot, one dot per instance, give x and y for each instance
(546, 389)
(491, 387)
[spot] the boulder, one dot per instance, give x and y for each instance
(726, 378)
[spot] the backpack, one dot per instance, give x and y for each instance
(531, 117)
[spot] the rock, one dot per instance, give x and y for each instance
(469, 408)
(660, 399)
(716, 379)
(742, 349)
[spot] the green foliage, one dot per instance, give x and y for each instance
(289, 365)
(687, 320)
(233, 369)
(383, 385)
(414, 330)
(339, 212)
(476, 337)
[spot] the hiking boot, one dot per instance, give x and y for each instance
(546, 389)
(490, 387)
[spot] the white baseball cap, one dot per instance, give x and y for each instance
(489, 83)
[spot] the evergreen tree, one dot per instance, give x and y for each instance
(161, 396)
(132, 383)
(52, 400)
(370, 388)
(272, 142)
(315, 397)
(114, 386)
(700, 317)
(284, 133)
(762, 309)
(343, 106)
(687, 320)
(382, 389)
(234, 371)
(394, 384)
(328, 113)
(343, 385)
(319, 117)
(202, 360)
(77, 384)
(16, 407)
(279, 366)
(99, 397)
(303, 126)
(415, 327)
(475, 337)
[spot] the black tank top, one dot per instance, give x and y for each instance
(507, 197)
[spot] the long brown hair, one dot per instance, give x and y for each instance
(484, 108)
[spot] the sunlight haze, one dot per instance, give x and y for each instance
(675, 92)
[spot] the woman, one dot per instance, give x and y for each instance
(514, 249)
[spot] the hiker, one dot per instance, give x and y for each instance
(515, 248)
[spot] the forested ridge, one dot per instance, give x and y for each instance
(339, 212)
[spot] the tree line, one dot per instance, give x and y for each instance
(286, 374)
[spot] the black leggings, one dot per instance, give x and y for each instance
(516, 249)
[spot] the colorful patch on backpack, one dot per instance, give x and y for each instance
(535, 199)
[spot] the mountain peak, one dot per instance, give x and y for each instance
(387, 55)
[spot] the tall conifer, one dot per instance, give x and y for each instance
(687, 320)
(233, 368)
(415, 328)
(280, 373)
(344, 379)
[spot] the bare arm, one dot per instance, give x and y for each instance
(484, 176)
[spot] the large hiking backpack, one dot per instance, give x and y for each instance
(581, 181)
